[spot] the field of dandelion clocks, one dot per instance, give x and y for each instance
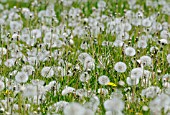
(84, 57)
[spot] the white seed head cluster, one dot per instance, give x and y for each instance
(84, 57)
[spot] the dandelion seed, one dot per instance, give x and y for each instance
(84, 77)
(164, 34)
(102, 91)
(3, 51)
(30, 91)
(146, 60)
(81, 93)
(129, 51)
(159, 103)
(142, 44)
(131, 81)
(28, 69)
(68, 90)
(60, 105)
(89, 63)
(120, 67)
(82, 57)
(103, 80)
(15, 25)
(115, 104)
(10, 62)
(2, 86)
(121, 83)
(145, 108)
(165, 80)
(84, 45)
(36, 33)
(151, 92)
(47, 72)
(168, 58)
(74, 109)
(127, 27)
(21, 77)
(146, 22)
(118, 43)
(101, 4)
(136, 73)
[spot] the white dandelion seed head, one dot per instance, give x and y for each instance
(32, 60)
(37, 82)
(2, 85)
(74, 109)
(82, 57)
(120, 67)
(151, 92)
(131, 81)
(114, 113)
(36, 33)
(146, 74)
(15, 25)
(163, 41)
(59, 71)
(117, 93)
(25, 38)
(153, 48)
(21, 77)
(81, 93)
(121, 83)
(60, 105)
(136, 21)
(105, 43)
(166, 84)
(89, 63)
(103, 91)
(157, 26)
(130, 51)
(118, 43)
(159, 103)
(30, 91)
(67, 90)
(101, 4)
(84, 45)
(3, 51)
(84, 77)
(95, 100)
(168, 58)
(136, 73)
(165, 80)
(142, 44)
(115, 104)
(58, 43)
(146, 60)
(28, 69)
(145, 108)
(103, 80)
(88, 111)
(167, 91)
(146, 22)
(47, 72)
(166, 77)
(165, 25)
(127, 26)
(164, 34)
(10, 62)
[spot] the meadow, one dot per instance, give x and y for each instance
(84, 57)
